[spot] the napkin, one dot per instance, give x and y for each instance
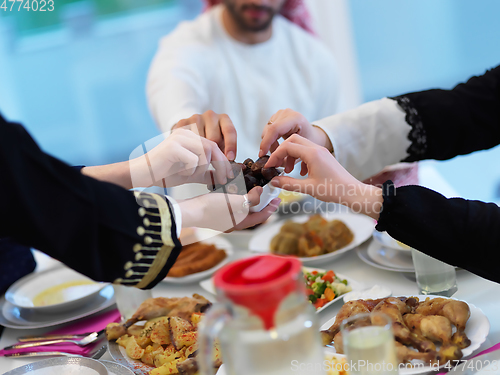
(95, 323)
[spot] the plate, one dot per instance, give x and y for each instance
(477, 329)
(208, 285)
(386, 240)
(69, 288)
(18, 318)
(67, 365)
(118, 353)
(389, 257)
(218, 241)
(363, 255)
(116, 369)
(360, 225)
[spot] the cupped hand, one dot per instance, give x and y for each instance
(215, 127)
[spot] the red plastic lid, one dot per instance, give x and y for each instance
(260, 283)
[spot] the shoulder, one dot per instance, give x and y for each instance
(199, 34)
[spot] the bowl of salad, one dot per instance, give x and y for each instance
(324, 287)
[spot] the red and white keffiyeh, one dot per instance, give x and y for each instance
(293, 10)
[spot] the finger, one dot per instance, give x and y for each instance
(254, 195)
(274, 146)
(212, 128)
(275, 132)
(291, 184)
(287, 150)
(223, 169)
(189, 162)
(259, 217)
(230, 137)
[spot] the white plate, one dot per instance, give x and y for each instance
(363, 255)
(117, 369)
(118, 353)
(389, 257)
(218, 241)
(73, 365)
(385, 239)
(208, 285)
(360, 225)
(17, 318)
(477, 329)
(23, 292)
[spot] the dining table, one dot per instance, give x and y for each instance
(475, 290)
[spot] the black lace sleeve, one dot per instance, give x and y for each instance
(457, 231)
(447, 123)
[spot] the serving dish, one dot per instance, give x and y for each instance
(477, 329)
(362, 253)
(18, 318)
(360, 225)
(219, 242)
(116, 369)
(65, 365)
(54, 290)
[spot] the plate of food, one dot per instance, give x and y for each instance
(314, 239)
(164, 341)
(430, 330)
(199, 260)
(323, 287)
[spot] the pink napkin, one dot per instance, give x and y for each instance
(486, 351)
(95, 323)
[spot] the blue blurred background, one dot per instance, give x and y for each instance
(75, 77)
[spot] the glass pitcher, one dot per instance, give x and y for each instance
(262, 321)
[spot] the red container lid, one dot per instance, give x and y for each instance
(260, 283)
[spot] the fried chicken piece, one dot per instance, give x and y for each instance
(349, 309)
(395, 308)
(434, 327)
(160, 306)
(457, 312)
(405, 354)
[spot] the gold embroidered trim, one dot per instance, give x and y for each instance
(156, 267)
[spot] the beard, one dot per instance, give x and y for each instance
(249, 24)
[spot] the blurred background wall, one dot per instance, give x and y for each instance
(75, 76)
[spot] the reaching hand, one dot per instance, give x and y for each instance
(327, 180)
(286, 122)
(183, 157)
(215, 127)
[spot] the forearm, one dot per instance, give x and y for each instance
(457, 231)
(118, 173)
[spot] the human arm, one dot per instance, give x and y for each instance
(432, 124)
(457, 231)
(183, 157)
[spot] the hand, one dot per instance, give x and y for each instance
(327, 180)
(286, 122)
(215, 127)
(225, 212)
(183, 157)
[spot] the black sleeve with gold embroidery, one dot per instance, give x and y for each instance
(94, 227)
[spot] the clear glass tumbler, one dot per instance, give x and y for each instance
(433, 276)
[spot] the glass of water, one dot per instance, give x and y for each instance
(434, 276)
(368, 343)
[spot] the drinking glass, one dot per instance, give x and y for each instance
(434, 276)
(128, 299)
(369, 344)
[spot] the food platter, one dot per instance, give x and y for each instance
(220, 243)
(360, 225)
(477, 329)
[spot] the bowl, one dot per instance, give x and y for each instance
(66, 365)
(55, 290)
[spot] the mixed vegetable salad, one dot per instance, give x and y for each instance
(323, 287)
